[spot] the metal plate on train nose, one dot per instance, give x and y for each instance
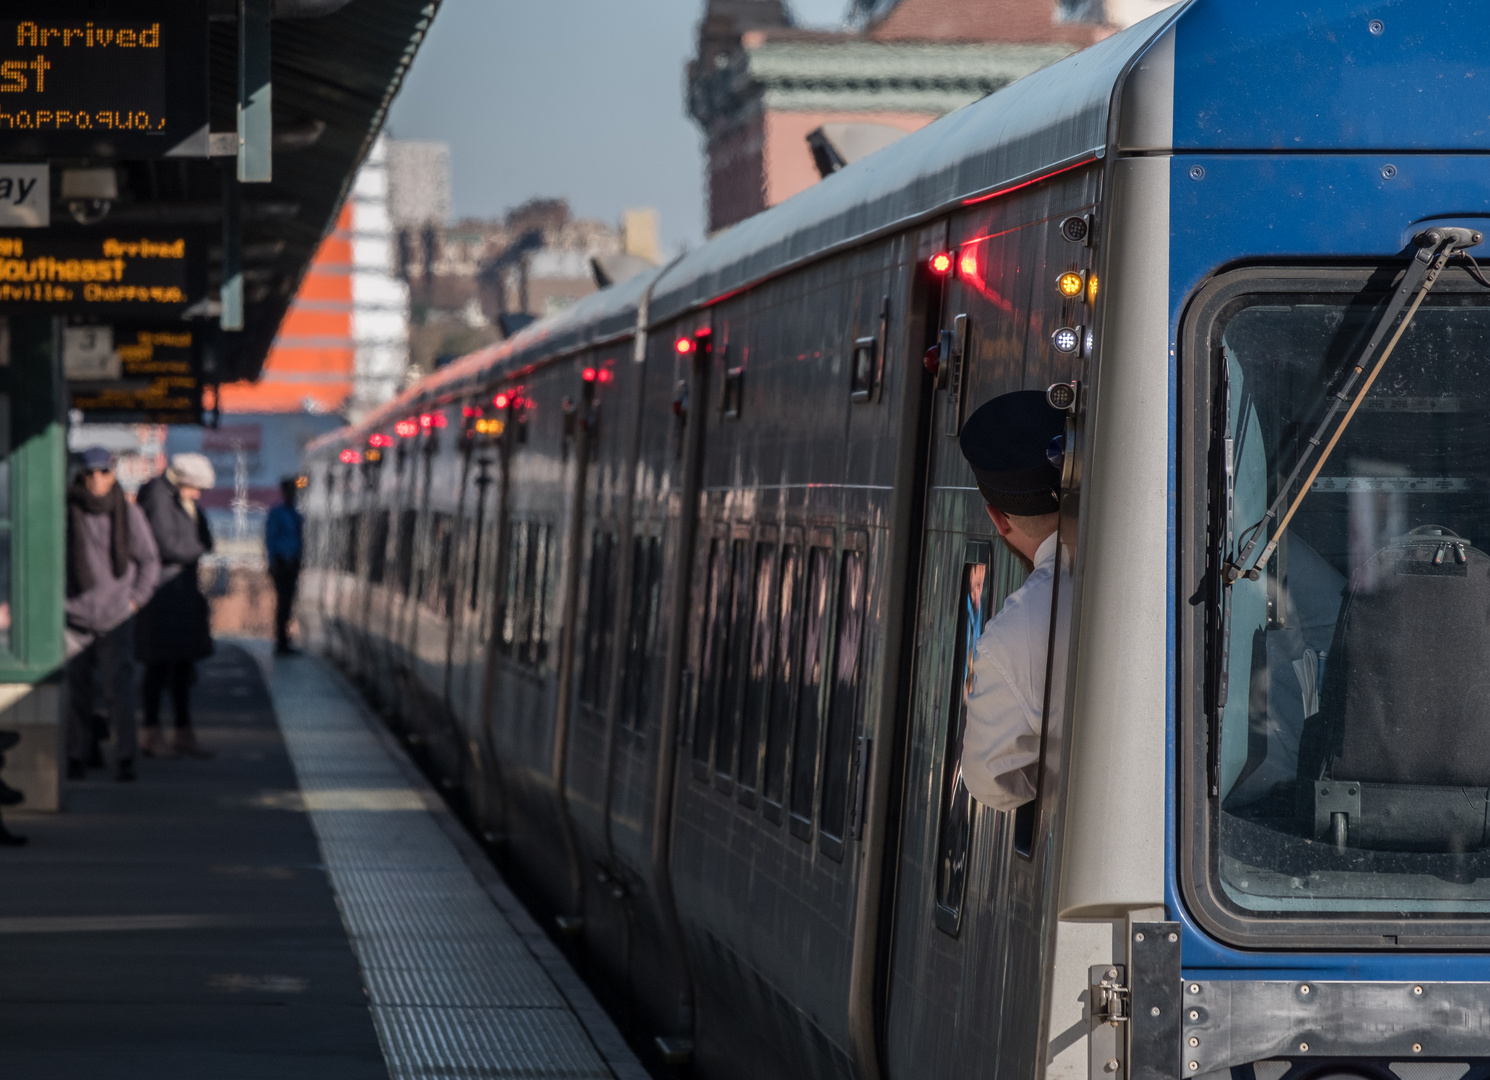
(1229, 1023)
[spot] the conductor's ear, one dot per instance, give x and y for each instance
(1000, 521)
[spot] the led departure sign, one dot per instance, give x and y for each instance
(159, 380)
(125, 79)
(146, 277)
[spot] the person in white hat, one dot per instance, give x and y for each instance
(174, 630)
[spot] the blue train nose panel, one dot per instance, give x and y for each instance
(1258, 75)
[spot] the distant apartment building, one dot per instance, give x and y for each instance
(477, 281)
(781, 107)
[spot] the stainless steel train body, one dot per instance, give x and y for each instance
(677, 588)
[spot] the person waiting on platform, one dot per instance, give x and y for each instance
(112, 568)
(284, 534)
(1008, 442)
(174, 629)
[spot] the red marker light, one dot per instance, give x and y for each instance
(588, 374)
(350, 457)
(467, 411)
(606, 374)
(500, 401)
(940, 263)
(377, 438)
(407, 429)
(968, 264)
(684, 346)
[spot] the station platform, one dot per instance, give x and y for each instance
(302, 905)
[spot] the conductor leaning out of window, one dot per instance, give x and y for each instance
(1012, 443)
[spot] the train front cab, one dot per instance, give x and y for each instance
(1326, 852)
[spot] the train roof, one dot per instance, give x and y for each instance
(1052, 119)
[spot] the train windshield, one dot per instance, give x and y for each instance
(1348, 735)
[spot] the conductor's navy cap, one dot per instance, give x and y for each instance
(1006, 441)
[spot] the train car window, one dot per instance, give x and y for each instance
(646, 593)
(483, 483)
(734, 662)
(757, 671)
(447, 565)
(843, 707)
(1339, 749)
(955, 831)
(403, 556)
(353, 535)
(437, 573)
(809, 715)
(599, 619)
(531, 611)
(779, 712)
(716, 616)
(543, 544)
(512, 613)
(377, 548)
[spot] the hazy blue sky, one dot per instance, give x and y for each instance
(575, 98)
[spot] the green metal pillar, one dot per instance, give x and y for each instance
(33, 555)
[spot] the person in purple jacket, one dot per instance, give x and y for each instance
(112, 569)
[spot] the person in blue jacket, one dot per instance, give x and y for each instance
(284, 539)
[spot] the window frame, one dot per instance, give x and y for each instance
(1197, 384)
(837, 766)
(775, 811)
(801, 826)
(767, 548)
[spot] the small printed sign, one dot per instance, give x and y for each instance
(88, 353)
(25, 196)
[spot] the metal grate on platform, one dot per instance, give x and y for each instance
(455, 990)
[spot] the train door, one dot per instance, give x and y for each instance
(972, 921)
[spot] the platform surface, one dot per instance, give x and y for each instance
(302, 905)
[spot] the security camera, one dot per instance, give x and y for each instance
(89, 193)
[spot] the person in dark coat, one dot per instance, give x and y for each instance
(112, 567)
(174, 630)
(284, 539)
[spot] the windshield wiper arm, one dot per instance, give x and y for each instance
(1435, 247)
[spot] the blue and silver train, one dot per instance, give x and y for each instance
(678, 588)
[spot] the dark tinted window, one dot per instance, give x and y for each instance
(758, 670)
(377, 548)
(646, 592)
(956, 819)
(351, 540)
(716, 617)
(735, 658)
(403, 557)
(529, 611)
(599, 618)
(843, 710)
(483, 484)
(779, 717)
(804, 742)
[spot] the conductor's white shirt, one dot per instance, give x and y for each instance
(1001, 738)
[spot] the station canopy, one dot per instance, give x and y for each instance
(334, 67)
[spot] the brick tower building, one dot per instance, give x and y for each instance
(781, 107)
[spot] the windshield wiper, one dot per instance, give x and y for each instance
(1435, 247)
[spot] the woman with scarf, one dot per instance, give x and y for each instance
(175, 628)
(112, 567)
